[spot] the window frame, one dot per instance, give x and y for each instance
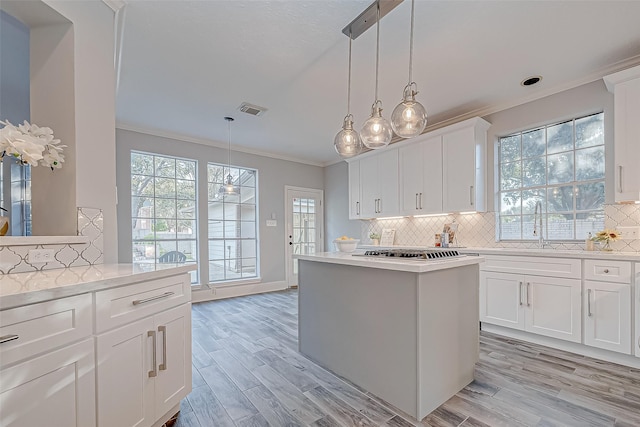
(546, 187)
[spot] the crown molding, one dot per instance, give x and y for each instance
(115, 5)
(211, 143)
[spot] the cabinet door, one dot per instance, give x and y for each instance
(57, 388)
(607, 316)
(637, 305)
(502, 299)
(173, 350)
(553, 307)
(388, 183)
(124, 363)
(459, 170)
(627, 136)
(411, 166)
(369, 187)
(354, 189)
(431, 197)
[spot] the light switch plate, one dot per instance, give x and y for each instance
(629, 233)
(272, 223)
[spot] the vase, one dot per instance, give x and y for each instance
(607, 247)
(4, 225)
(375, 242)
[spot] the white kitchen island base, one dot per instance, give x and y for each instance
(410, 338)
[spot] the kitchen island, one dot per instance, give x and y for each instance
(405, 330)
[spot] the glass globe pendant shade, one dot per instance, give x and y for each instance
(409, 118)
(228, 189)
(347, 142)
(376, 131)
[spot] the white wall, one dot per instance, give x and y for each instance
(336, 205)
(273, 175)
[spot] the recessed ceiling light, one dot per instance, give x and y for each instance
(530, 81)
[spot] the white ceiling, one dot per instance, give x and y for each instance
(187, 64)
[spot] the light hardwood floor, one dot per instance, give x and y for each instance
(248, 372)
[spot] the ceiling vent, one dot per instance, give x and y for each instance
(254, 110)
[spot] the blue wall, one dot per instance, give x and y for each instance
(14, 69)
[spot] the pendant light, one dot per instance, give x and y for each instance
(376, 131)
(228, 189)
(347, 142)
(409, 118)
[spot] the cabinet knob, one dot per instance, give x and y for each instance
(606, 270)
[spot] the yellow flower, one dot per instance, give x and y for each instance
(607, 235)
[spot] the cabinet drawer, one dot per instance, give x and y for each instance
(37, 328)
(118, 306)
(536, 266)
(607, 270)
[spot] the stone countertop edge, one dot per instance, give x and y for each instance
(19, 289)
(548, 252)
(395, 264)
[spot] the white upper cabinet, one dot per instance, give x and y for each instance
(625, 86)
(379, 184)
(421, 176)
(464, 166)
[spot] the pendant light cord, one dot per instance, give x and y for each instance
(377, 43)
(411, 44)
(349, 79)
(229, 153)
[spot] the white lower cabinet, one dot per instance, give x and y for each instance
(547, 306)
(144, 368)
(607, 315)
(54, 389)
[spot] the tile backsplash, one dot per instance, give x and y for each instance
(15, 258)
(479, 230)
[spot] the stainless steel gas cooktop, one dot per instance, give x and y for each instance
(412, 253)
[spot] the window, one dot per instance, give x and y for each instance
(562, 167)
(233, 244)
(164, 210)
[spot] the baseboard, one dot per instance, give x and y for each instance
(585, 350)
(239, 290)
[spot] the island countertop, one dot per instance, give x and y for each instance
(389, 263)
(17, 289)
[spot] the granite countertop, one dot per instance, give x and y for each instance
(17, 289)
(396, 264)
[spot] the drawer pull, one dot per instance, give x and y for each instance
(142, 301)
(163, 365)
(8, 338)
(153, 372)
(606, 270)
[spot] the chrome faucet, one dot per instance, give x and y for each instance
(535, 230)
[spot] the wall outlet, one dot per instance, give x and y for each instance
(629, 233)
(40, 255)
(272, 223)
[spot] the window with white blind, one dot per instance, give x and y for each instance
(562, 166)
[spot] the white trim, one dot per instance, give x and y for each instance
(221, 292)
(43, 240)
(115, 5)
(211, 143)
(585, 350)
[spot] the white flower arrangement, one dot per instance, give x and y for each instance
(31, 145)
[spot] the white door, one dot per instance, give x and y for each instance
(388, 198)
(553, 307)
(459, 170)
(607, 316)
(304, 227)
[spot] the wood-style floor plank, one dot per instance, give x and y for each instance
(248, 373)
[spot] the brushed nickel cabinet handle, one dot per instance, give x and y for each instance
(589, 302)
(145, 300)
(620, 179)
(163, 365)
(471, 195)
(379, 205)
(417, 201)
(520, 292)
(153, 372)
(7, 338)
(528, 286)
(420, 201)
(357, 208)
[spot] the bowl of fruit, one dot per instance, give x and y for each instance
(346, 244)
